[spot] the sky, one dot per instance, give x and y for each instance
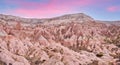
(98, 9)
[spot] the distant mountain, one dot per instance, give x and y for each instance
(79, 17)
(116, 23)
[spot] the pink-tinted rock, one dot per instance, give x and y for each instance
(68, 40)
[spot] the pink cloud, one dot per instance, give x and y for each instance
(53, 3)
(52, 7)
(38, 9)
(113, 8)
(39, 13)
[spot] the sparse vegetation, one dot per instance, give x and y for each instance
(99, 54)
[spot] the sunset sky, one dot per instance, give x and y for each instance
(98, 9)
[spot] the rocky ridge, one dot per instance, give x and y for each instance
(75, 39)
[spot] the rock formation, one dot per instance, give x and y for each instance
(75, 39)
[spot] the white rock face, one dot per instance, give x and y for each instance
(65, 43)
(2, 33)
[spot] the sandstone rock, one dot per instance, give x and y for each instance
(2, 33)
(74, 39)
